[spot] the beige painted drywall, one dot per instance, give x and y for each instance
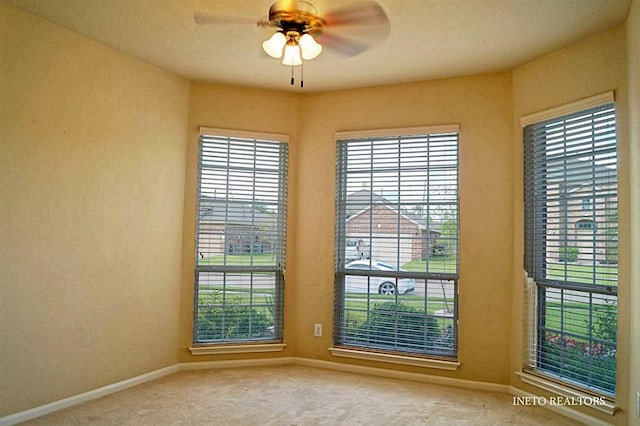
(94, 144)
(482, 107)
(633, 57)
(586, 68)
(237, 108)
(92, 155)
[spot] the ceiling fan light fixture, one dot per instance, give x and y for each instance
(292, 54)
(273, 47)
(298, 27)
(309, 46)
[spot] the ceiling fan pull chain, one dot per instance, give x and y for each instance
(302, 74)
(292, 79)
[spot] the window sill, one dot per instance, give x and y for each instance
(584, 398)
(395, 359)
(236, 349)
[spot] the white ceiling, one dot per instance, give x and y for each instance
(428, 39)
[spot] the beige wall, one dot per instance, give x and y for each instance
(92, 154)
(633, 52)
(236, 108)
(586, 68)
(97, 219)
(482, 106)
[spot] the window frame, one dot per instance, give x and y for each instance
(342, 347)
(535, 262)
(244, 345)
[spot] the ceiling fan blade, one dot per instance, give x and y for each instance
(341, 44)
(209, 18)
(362, 13)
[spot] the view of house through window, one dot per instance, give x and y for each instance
(397, 243)
(571, 246)
(240, 238)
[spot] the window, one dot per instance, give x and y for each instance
(240, 237)
(569, 159)
(584, 224)
(398, 195)
(587, 204)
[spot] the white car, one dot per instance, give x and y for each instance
(373, 284)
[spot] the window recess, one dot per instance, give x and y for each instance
(571, 246)
(240, 237)
(396, 251)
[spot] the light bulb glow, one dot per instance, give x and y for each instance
(309, 47)
(273, 47)
(292, 55)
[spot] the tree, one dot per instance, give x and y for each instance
(448, 233)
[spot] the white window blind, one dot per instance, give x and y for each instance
(240, 239)
(571, 246)
(397, 243)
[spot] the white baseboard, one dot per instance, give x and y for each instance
(563, 410)
(235, 363)
(42, 410)
(402, 375)
(61, 404)
(32, 413)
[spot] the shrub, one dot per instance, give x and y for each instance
(568, 254)
(593, 365)
(401, 326)
(605, 325)
(611, 231)
(568, 357)
(235, 321)
(611, 251)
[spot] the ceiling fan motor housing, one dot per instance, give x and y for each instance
(298, 21)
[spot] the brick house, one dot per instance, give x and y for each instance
(244, 231)
(587, 224)
(371, 214)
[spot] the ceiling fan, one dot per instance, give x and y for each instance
(301, 32)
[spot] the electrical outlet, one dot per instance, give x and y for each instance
(317, 330)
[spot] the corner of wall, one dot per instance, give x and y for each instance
(633, 56)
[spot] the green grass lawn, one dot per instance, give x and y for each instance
(356, 305)
(238, 289)
(605, 275)
(360, 304)
(262, 259)
(243, 296)
(444, 264)
(575, 316)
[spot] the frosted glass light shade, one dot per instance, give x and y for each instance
(309, 47)
(292, 55)
(274, 45)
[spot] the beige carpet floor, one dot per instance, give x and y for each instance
(295, 395)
